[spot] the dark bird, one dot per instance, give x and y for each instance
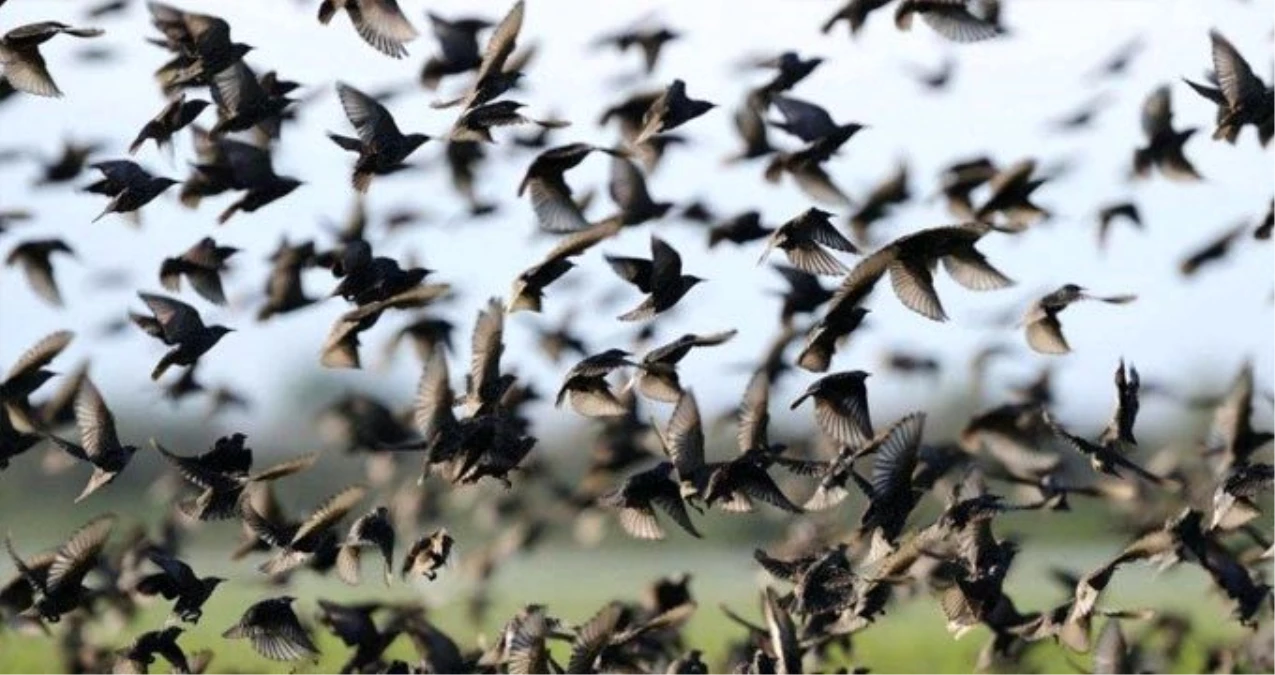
(428, 554)
(284, 292)
(34, 257)
(1106, 456)
(21, 63)
(274, 631)
(1010, 196)
(129, 186)
(242, 166)
(1231, 439)
(890, 489)
(497, 73)
(790, 69)
(1044, 330)
(638, 496)
(1083, 116)
(138, 656)
(66, 166)
(550, 195)
(806, 164)
(201, 264)
(891, 191)
(805, 294)
(855, 13)
(458, 48)
(353, 625)
(380, 23)
(959, 180)
(1111, 213)
(179, 326)
(528, 289)
(476, 123)
(802, 239)
(586, 389)
(627, 187)
(56, 582)
(381, 147)
(371, 530)
(25, 376)
(898, 440)
(656, 376)
(810, 122)
(1164, 148)
(1262, 232)
(660, 278)
(243, 103)
(299, 542)
(176, 115)
(841, 406)
(1241, 97)
(201, 46)
(750, 127)
(910, 261)
(1120, 60)
(956, 20)
(177, 581)
(223, 474)
(1212, 252)
(1235, 499)
(650, 40)
(99, 444)
(739, 229)
(670, 110)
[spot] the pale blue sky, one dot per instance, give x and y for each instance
(1003, 95)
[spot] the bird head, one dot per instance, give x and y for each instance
(218, 332)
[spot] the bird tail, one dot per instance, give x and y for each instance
(327, 9)
(361, 181)
(162, 366)
(229, 212)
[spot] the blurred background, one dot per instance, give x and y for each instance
(1005, 99)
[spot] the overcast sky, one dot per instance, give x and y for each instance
(1185, 332)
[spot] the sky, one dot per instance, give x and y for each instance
(1191, 334)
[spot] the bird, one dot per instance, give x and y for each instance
(21, 63)
(855, 13)
(892, 190)
(650, 41)
(1044, 330)
(550, 195)
(660, 278)
(243, 102)
(34, 257)
(585, 387)
(1011, 190)
(380, 23)
(274, 631)
(223, 474)
(802, 239)
(528, 288)
(25, 376)
(238, 166)
(476, 122)
(458, 48)
(670, 110)
(99, 445)
(202, 264)
(299, 542)
(656, 374)
(638, 496)
(956, 20)
(176, 115)
(177, 325)
(628, 190)
(1165, 145)
(380, 145)
(1109, 214)
(738, 229)
(129, 186)
(372, 529)
(1241, 97)
(56, 582)
(138, 656)
(429, 553)
(177, 581)
(841, 406)
(1214, 250)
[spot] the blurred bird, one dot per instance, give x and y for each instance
(380, 23)
(177, 325)
(1044, 330)
(34, 257)
(21, 63)
(660, 278)
(274, 631)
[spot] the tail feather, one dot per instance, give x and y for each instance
(327, 9)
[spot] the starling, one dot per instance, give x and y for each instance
(855, 13)
(242, 102)
(426, 334)
(649, 40)
(1043, 329)
(806, 167)
(1011, 190)
(68, 165)
(660, 278)
(177, 581)
(890, 491)
(353, 625)
(138, 656)
(889, 192)
(841, 406)
(380, 23)
(671, 109)
(628, 190)
(34, 256)
(960, 179)
(175, 116)
(129, 186)
(496, 73)
(551, 200)
(27, 375)
(381, 146)
(739, 229)
(1164, 149)
(458, 48)
(897, 440)
(427, 554)
(476, 123)
(936, 79)
(1241, 97)
(1262, 232)
(528, 289)
(586, 389)
(1083, 116)
(202, 264)
(240, 166)
(909, 261)
(637, 497)
(1106, 456)
(283, 286)
(99, 444)
(275, 631)
(179, 326)
(201, 46)
(1119, 60)
(1231, 434)
(1108, 215)
(801, 239)
(656, 376)
(1216, 249)
(956, 20)
(790, 69)
(804, 295)
(57, 585)
(826, 335)
(811, 123)
(298, 543)
(373, 529)
(1234, 502)
(22, 65)
(223, 475)
(751, 129)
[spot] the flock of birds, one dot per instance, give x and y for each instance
(1198, 508)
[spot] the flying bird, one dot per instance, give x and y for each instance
(380, 23)
(177, 325)
(1044, 330)
(22, 65)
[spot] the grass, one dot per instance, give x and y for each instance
(910, 638)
